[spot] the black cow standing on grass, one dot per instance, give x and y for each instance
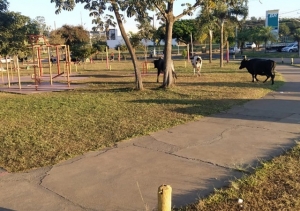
(159, 64)
(260, 67)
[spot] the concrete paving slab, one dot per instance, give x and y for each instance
(241, 147)
(98, 183)
(22, 191)
(287, 124)
(190, 134)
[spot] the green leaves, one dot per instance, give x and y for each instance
(14, 29)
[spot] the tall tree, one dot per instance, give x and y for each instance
(229, 11)
(14, 29)
(206, 22)
(266, 34)
(4, 4)
(43, 28)
(76, 37)
(104, 24)
(183, 29)
(73, 34)
(99, 7)
(244, 34)
(165, 9)
(296, 35)
(284, 31)
(146, 31)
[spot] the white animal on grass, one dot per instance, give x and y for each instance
(197, 64)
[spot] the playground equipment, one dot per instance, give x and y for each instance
(37, 62)
(37, 76)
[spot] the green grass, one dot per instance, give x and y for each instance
(274, 186)
(44, 129)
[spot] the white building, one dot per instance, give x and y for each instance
(115, 39)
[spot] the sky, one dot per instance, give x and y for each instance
(80, 16)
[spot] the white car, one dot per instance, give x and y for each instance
(290, 48)
(250, 45)
(234, 50)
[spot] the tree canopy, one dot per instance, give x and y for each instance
(4, 4)
(15, 29)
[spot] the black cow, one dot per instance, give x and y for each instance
(260, 67)
(159, 64)
(52, 59)
(76, 61)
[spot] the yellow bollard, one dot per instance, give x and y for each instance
(292, 61)
(164, 198)
(109, 67)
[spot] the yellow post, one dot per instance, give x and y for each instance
(109, 67)
(292, 61)
(164, 198)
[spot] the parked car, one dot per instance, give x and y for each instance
(290, 48)
(250, 45)
(234, 50)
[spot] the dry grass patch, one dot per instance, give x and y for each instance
(274, 186)
(44, 129)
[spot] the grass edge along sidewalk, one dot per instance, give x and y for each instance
(273, 186)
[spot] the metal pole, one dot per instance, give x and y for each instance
(50, 66)
(7, 70)
(107, 65)
(18, 69)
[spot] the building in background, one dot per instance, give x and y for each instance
(113, 39)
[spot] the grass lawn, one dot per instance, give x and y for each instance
(46, 128)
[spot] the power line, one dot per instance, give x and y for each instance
(289, 12)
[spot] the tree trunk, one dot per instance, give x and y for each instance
(221, 43)
(265, 46)
(210, 45)
(138, 75)
(168, 76)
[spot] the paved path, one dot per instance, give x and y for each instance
(193, 158)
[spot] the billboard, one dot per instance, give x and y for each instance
(272, 20)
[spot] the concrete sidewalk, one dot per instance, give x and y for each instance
(193, 158)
